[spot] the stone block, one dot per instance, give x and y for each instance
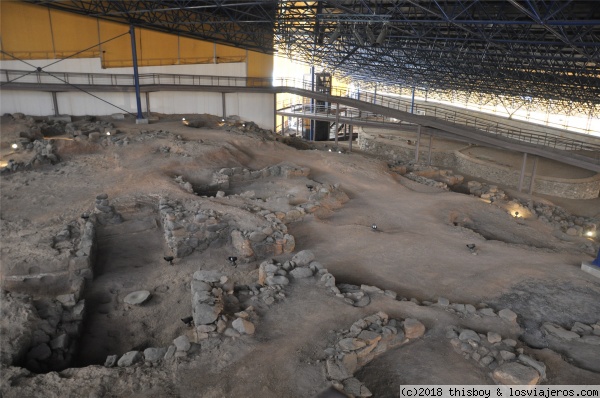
(513, 373)
(243, 326)
(130, 358)
(413, 329)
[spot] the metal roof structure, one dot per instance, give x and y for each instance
(544, 54)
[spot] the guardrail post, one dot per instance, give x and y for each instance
(337, 123)
(430, 145)
(418, 143)
(523, 167)
(535, 160)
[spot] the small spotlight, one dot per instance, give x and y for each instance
(189, 321)
(169, 259)
(590, 234)
(374, 227)
(339, 151)
(243, 124)
(329, 149)
(516, 214)
(183, 119)
(472, 248)
(14, 146)
(222, 120)
(232, 260)
(108, 133)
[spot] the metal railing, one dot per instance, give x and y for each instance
(497, 128)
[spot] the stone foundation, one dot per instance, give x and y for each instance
(582, 188)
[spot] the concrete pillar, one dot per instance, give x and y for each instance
(522, 177)
(418, 143)
(223, 106)
(55, 103)
(350, 138)
(535, 160)
(147, 104)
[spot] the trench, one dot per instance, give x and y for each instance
(129, 258)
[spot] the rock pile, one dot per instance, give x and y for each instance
(560, 219)
(42, 152)
(426, 181)
(580, 332)
(54, 341)
(367, 338)
(207, 302)
(486, 191)
(435, 173)
(90, 130)
(502, 356)
(187, 230)
(105, 213)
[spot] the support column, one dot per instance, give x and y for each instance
(522, 177)
(350, 139)
(430, 145)
(147, 104)
(55, 103)
(337, 123)
(375, 94)
(136, 78)
(418, 143)
(535, 160)
(412, 101)
(312, 103)
(223, 106)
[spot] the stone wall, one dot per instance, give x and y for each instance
(583, 188)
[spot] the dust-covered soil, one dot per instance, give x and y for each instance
(417, 254)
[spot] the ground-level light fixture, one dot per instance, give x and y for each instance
(108, 133)
(590, 234)
(14, 146)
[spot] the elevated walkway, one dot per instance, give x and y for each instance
(391, 110)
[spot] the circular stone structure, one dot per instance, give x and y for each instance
(137, 298)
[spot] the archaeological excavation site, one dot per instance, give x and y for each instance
(244, 203)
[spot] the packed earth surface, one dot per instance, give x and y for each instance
(213, 258)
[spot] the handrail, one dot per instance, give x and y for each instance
(553, 141)
(450, 116)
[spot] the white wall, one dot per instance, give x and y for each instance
(78, 104)
(259, 108)
(93, 65)
(186, 102)
(33, 103)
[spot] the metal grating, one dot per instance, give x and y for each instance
(543, 54)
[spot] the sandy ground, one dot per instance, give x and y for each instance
(417, 252)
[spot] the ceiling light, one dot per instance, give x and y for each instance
(335, 35)
(382, 36)
(358, 37)
(370, 35)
